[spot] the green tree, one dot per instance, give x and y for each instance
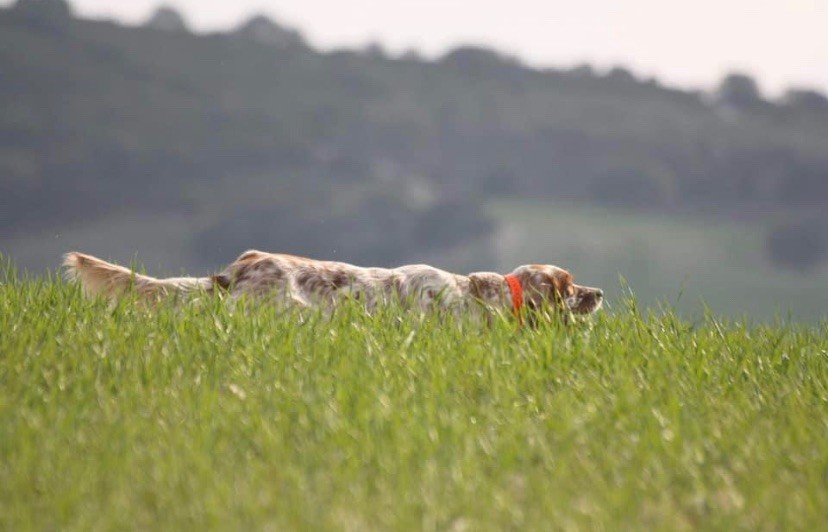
(51, 10)
(167, 19)
(739, 90)
(805, 100)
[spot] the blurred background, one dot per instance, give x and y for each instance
(681, 150)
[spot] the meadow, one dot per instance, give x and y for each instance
(207, 416)
(695, 263)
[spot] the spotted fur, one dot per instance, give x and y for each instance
(297, 282)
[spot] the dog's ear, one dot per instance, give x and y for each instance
(562, 282)
(536, 286)
(545, 287)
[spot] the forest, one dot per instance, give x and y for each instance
(268, 142)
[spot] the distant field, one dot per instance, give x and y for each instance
(708, 262)
(207, 417)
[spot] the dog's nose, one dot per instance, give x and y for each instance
(599, 294)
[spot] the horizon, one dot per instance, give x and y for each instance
(735, 41)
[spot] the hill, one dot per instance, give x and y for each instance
(251, 138)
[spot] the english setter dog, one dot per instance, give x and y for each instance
(296, 282)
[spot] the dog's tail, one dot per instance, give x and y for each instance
(100, 278)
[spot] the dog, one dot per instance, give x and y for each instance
(297, 282)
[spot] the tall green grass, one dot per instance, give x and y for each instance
(212, 416)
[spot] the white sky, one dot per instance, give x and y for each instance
(688, 42)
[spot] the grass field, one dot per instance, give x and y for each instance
(204, 417)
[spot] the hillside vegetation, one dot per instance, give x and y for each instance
(263, 141)
(205, 415)
(689, 263)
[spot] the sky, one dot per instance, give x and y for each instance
(688, 43)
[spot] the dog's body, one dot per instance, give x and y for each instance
(292, 281)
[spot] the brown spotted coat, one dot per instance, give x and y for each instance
(297, 282)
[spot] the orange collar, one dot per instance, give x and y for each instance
(517, 296)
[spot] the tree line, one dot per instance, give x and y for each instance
(253, 127)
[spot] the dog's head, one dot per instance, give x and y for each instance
(550, 286)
